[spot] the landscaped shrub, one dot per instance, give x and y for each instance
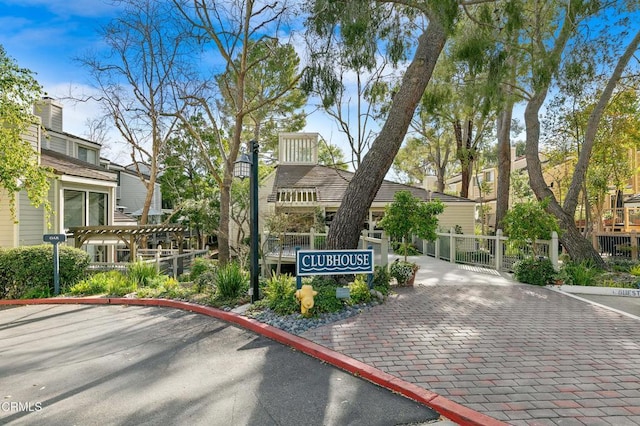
(205, 282)
(28, 271)
(121, 287)
(280, 294)
(537, 271)
(165, 287)
(359, 290)
(635, 270)
(381, 279)
(583, 273)
(231, 279)
(97, 283)
(200, 265)
(620, 264)
(326, 300)
(142, 273)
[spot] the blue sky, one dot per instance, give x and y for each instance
(46, 35)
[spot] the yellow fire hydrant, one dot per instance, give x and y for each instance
(305, 296)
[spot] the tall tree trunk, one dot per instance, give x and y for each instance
(465, 152)
(504, 163)
(345, 228)
(224, 253)
(578, 247)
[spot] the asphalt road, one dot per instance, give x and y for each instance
(630, 305)
(115, 365)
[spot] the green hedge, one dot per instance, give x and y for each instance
(27, 272)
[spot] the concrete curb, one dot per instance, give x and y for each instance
(449, 409)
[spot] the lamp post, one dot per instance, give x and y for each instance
(244, 167)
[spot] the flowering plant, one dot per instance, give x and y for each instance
(402, 271)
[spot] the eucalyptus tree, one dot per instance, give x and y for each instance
(356, 29)
(242, 37)
(427, 152)
(136, 79)
(19, 159)
(558, 30)
(610, 165)
(463, 91)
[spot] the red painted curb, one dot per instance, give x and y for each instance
(449, 409)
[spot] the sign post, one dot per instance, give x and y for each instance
(333, 262)
(55, 239)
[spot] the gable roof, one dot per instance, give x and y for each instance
(330, 185)
(65, 165)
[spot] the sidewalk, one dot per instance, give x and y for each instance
(523, 354)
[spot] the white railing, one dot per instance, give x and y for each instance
(495, 252)
(167, 261)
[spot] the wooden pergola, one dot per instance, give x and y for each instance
(130, 235)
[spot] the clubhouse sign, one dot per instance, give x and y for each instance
(334, 262)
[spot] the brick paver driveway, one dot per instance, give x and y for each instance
(522, 354)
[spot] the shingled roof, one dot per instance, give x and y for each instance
(65, 165)
(330, 185)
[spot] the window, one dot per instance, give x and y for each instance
(97, 209)
(86, 154)
(74, 208)
(84, 208)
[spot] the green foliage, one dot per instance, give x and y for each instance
(98, 283)
(231, 280)
(635, 270)
(326, 300)
(580, 273)
(120, 287)
(142, 274)
(535, 271)
(620, 264)
(165, 287)
(406, 249)
(201, 265)
(29, 270)
(331, 155)
(528, 221)
(409, 215)
(359, 290)
(381, 279)
(19, 164)
(402, 271)
(280, 294)
(206, 281)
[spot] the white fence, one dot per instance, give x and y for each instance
(167, 261)
(495, 252)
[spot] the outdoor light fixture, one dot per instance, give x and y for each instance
(244, 167)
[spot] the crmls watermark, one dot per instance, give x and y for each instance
(15, 406)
